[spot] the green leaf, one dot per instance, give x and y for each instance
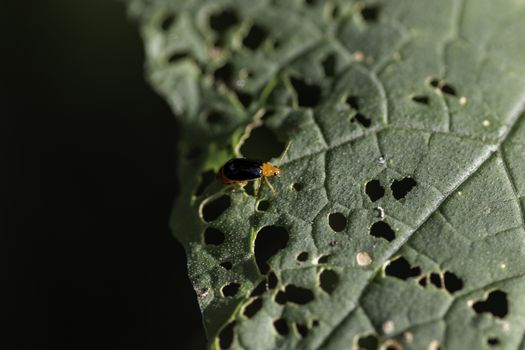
(398, 219)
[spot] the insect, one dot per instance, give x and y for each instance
(240, 171)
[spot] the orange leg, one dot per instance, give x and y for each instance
(239, 184)
(269, 185)
(259, 188)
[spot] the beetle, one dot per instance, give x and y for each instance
(239, 171)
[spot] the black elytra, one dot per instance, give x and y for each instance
(242, 169)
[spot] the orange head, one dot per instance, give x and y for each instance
(270, 170)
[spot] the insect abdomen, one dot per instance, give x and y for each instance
(241, 169)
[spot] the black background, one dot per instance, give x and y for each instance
(88, 176)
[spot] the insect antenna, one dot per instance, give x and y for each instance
(284, 153)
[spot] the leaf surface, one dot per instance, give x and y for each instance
(398, 219)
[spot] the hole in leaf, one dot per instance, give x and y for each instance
(496, 304)
(352, 102)
(207, 178)
(213, 209)
(294, 294)
(177, 56)
(281, 326)
(259, 289)
(302, 256)
(250, 188)
(311, 2)
(262, 144)
(263, 205)
(215, 117)
(251, 309)
(421, 99)
(315, 323)
(269, 113)
(270, 239)
(328, 280)
(226, 336)
(213, 236)
(374, 190)
(224, 74)
(423, 281)
(364, 121)
(298, 295)
(370, 13)
(329, 65)
(381, 229)
(380, 212)
(255, 37)
(442, 85)
(493, 341)
(452, 282)
(368, 342)
(226, 265)
(280, 297)
(302, 329)
(434, 82)
(337, 222)
(435, 279)
(402, 187)
(224, 20)
(323, 259)
(231, 289)
(401, 269)
(308, 95)
(244, 99)
(167, 22)
(272, 280)
(297, 186)
(448, 89)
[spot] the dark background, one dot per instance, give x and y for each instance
(88, 176)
